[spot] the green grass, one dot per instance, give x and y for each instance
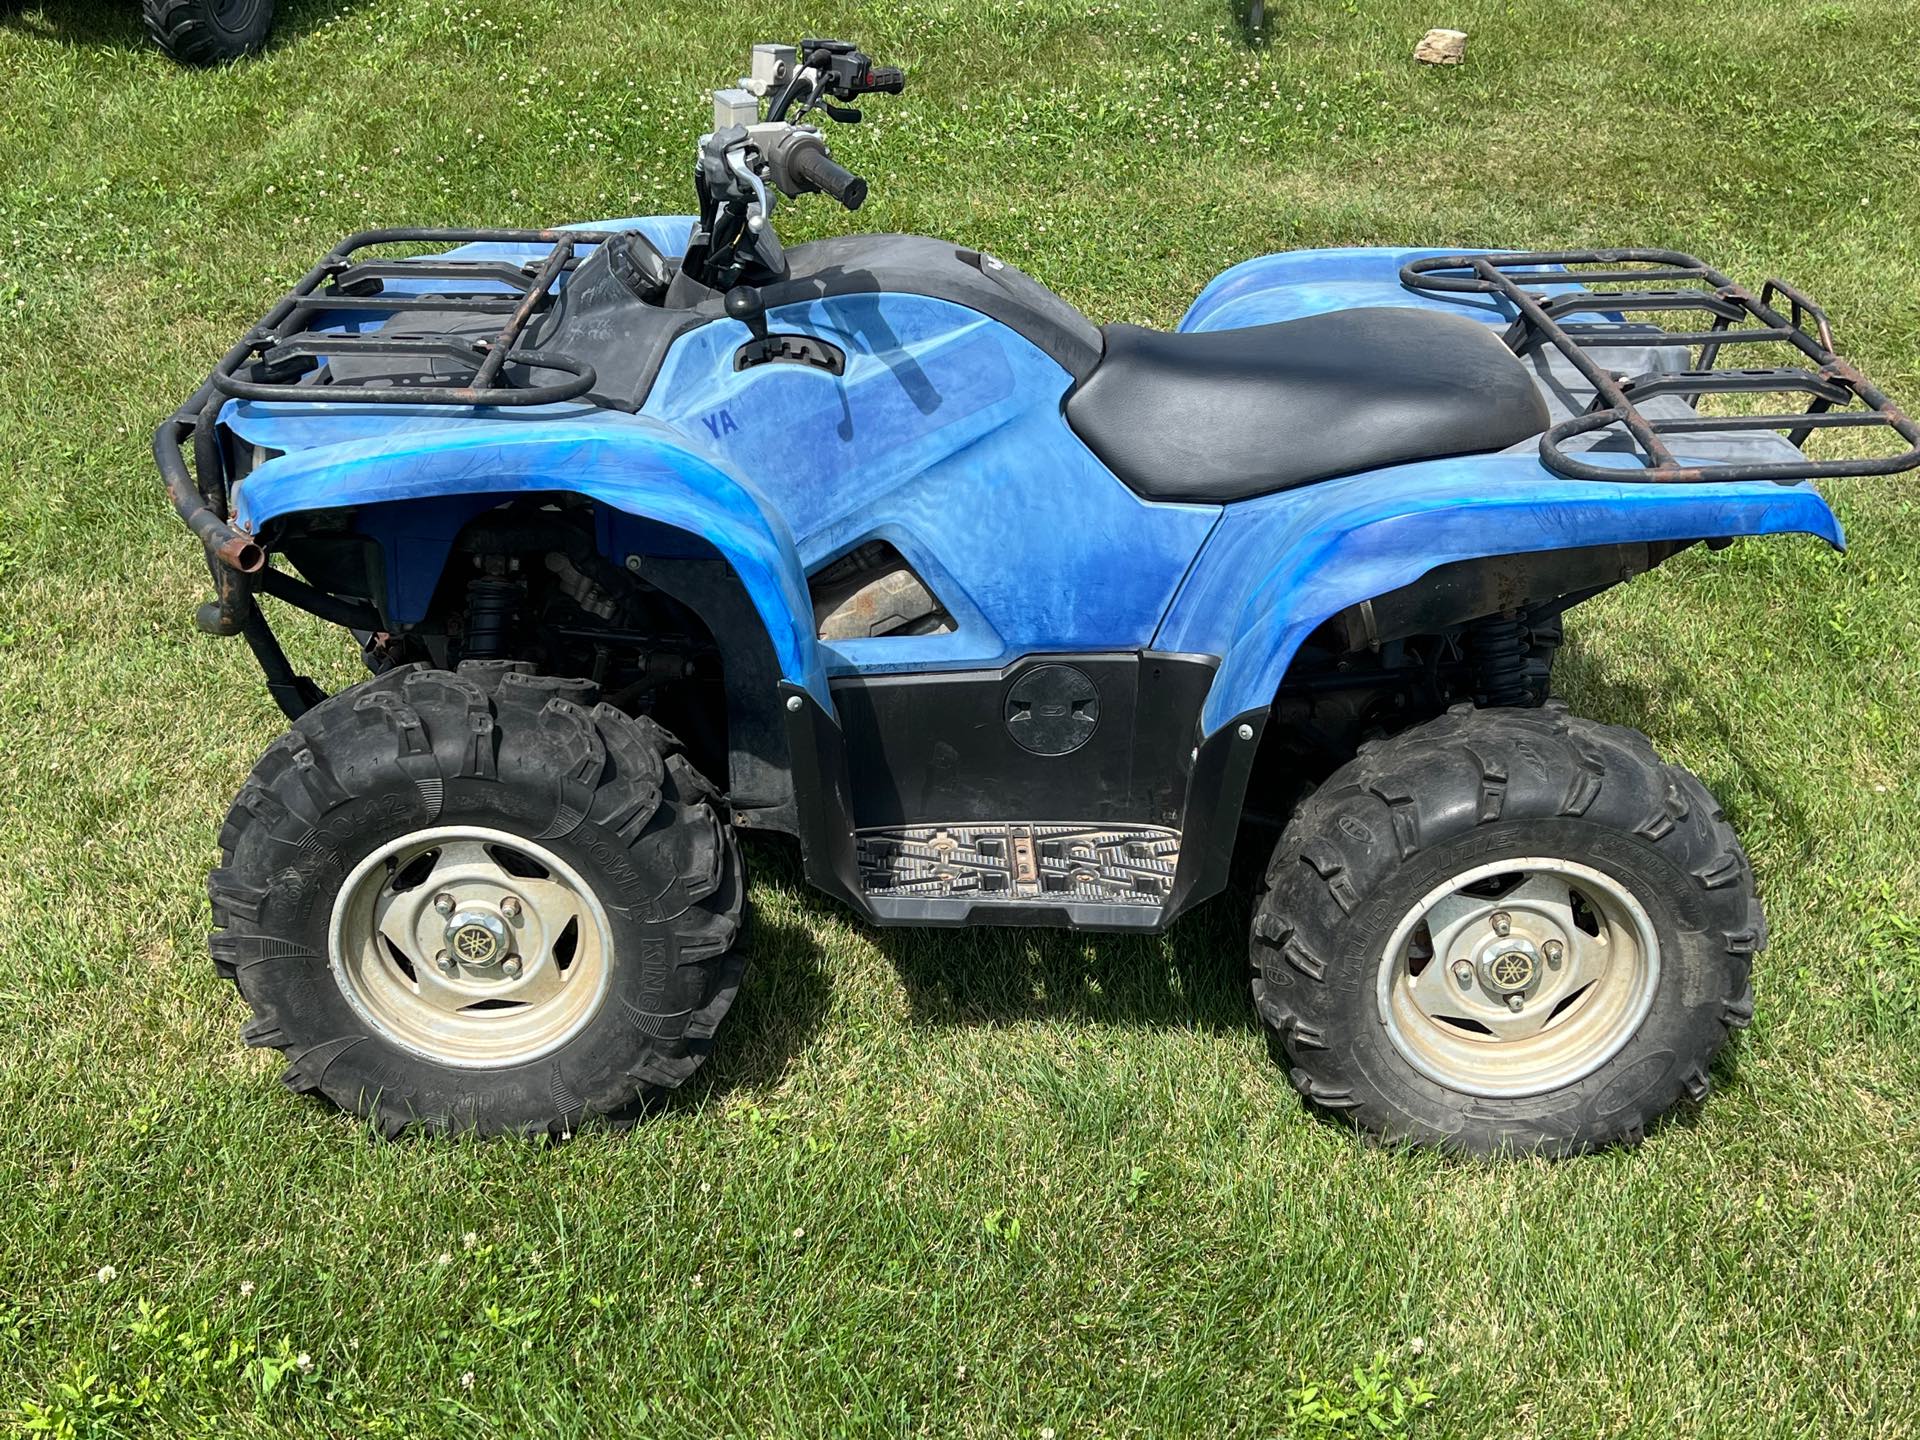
(987, 1184)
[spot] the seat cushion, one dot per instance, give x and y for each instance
(1222, 415)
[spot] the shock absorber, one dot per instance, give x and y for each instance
(491, 606)
(1497, 648)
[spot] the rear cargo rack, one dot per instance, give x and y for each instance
(1542, 289)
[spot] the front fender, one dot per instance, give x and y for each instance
(342, 457)
(1278, 566)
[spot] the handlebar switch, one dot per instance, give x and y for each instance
(848, 73)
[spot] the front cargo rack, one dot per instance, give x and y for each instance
(1542, 289)
(271, 361)
(281, 348)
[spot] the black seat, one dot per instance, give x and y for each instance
(1227, 414)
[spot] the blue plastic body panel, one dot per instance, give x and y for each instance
(1298, 283)
(1280, 565)
(945, 436)
(634, 464)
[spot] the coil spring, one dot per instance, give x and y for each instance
(490, 610)
(1497, 647)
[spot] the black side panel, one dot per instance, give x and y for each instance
(820, 786)
(598, 318)
(1215, 799)
(953, 748)
(1127, 872)
(760, 772)
(917, 265)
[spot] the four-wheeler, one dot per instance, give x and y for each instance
(653, 531)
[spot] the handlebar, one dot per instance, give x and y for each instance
(746, 162)
(816, 169)
(834, 68)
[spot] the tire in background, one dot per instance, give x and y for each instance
(208, 32)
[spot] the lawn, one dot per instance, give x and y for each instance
(980, 1184)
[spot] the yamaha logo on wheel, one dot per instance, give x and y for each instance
(1513, 970)
(475, 944)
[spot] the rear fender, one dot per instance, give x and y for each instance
(429, 472)
(1296, 283)
(1277, 567)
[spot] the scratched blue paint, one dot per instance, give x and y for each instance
(1279, 565)
(1298, 283)
(945, 437)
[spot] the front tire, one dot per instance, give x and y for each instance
(480, 902)
(1506, 930)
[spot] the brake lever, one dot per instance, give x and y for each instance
(846, 116)
(743, 171)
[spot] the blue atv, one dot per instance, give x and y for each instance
(653, 532)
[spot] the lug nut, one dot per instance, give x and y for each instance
(1553, 950)
(510, 967)
(444, 904)
(1463, 972)
(510, 907)
(1514, 1002)
(445, 962)
(1502, 922)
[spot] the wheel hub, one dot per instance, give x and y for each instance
(471, 947)
(1519, 976)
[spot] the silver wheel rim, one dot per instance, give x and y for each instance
(470, 947)
(1518, 977)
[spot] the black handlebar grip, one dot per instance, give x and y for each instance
(886, 79)
(817, 169)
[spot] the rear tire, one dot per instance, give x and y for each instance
(208, 32)
(589, 870)
(1506, 930)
